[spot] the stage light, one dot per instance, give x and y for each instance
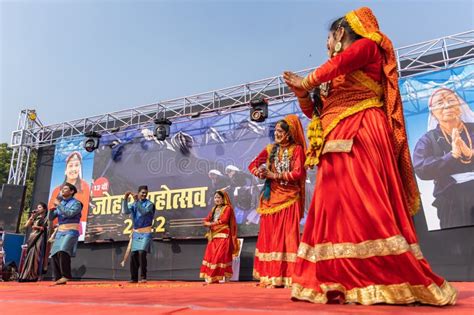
(92, 141)
(162, 129)
(259, 110)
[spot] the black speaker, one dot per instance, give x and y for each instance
(12, 198)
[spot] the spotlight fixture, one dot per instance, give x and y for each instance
(162, 129)
(259, 110)
(92, 141)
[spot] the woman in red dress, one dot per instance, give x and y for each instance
(359, 243)
(281, 204)
(222, 236)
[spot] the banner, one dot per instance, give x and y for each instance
(440, 122)
(72, 164)
(182, 173)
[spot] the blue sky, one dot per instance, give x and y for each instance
(73, 59)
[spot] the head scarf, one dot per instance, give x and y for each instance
(364, 23)
(297, 133)
(232, 224)
(467, 115)
(296, 130)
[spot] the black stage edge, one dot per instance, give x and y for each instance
(450, 252)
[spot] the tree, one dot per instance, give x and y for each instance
(5, 158)
(30, 182)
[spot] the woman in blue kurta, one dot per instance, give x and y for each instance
(142, 212)
(68, 211)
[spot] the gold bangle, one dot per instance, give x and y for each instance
(306, 85)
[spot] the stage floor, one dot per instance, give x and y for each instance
(166, 297)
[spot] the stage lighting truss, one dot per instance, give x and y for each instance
(450, 51)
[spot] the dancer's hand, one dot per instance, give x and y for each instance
(294, 82)
(271, 175)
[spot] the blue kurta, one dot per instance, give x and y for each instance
(67, 212)
(142, 213)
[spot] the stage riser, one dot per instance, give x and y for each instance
(172, 260)
(449, 252)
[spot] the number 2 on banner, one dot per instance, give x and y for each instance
(161, 224)
(160, 221)
(128, 228)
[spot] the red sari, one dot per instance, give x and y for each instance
(279, 233)
(222, 245)
(359, 243)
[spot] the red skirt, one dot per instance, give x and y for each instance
(217, 261)
(277, 245)
(359, 242)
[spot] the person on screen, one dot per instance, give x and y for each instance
(218, 182)
(222, 243)
(142, 212)
(445, 154)
(73, 175)
(68, 211)
(359, 244)
(240, 191)
(33, 264)
(281, 205)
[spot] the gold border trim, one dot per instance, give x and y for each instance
(368, 82)
(216, 278)
(215, 266)
(342, 146)
(365, 104)
(275, 256)
(277, 208)
(394, 245)
(403, 293)
(275, 281)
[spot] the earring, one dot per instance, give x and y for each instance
(337, 48)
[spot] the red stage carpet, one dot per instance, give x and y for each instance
(170, 297)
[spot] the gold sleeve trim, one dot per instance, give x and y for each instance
(275, 256)
(403, 293)
(277, 208)
(338, 146)
(394, 245)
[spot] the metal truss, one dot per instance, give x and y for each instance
(21, 154)
(427, 56)
(438, 54)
